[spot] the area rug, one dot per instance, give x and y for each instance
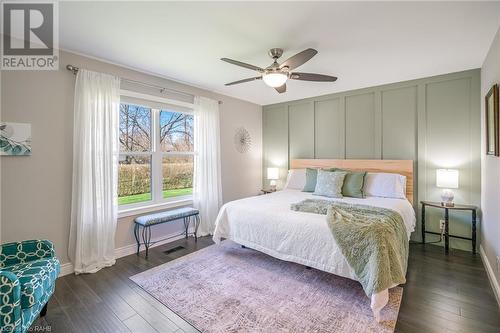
(225, 288)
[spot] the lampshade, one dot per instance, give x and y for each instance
(447, 178)
(275, 79)
(272, 173)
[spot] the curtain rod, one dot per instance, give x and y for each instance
(75, 69)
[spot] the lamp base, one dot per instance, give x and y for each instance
(272, 185)
(447, 198)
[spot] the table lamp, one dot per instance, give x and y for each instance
(272, 175)
(447, 179)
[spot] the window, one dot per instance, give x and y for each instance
(156, 155)
(177, 146)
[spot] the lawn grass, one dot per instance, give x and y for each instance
(130, 199)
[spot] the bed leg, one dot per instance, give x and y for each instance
(378, 301)
(376, 314)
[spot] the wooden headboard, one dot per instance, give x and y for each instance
(403, 167)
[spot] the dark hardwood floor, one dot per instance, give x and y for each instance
(443, 294)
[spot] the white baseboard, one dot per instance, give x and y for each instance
(67, 268)
(491, 274)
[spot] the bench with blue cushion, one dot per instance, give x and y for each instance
(147, 221)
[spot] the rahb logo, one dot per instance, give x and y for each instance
(29, 35)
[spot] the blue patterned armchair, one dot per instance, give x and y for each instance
(28, 272)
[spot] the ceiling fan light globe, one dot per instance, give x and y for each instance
(275, 79)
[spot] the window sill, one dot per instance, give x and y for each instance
(125, 212)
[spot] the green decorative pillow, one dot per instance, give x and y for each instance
(354, 182)
(311, 175)
(329, 183)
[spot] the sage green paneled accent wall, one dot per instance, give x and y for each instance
(435, 121)
(361, 129)
(329, 129)
(399, 112)
(301, 125)
(275, 134)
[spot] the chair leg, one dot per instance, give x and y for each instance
(44, 310)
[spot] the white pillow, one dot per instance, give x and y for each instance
(386, 185)
(296, 179)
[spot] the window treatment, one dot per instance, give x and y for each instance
(95, 174)
(207, 196)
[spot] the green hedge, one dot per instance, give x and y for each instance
(136, 178)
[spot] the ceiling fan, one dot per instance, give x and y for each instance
(276, 75)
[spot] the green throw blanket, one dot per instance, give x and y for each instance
(372, 239)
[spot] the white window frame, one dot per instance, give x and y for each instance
(157, 201)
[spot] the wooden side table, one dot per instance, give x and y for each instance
(447, 235)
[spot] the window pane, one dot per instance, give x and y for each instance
(176, 131)
(177, 176)
(134, 179)
(135, 128)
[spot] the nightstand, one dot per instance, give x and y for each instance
(447, 235)
(267, 191)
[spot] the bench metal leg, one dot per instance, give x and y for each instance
(136, 235)
(146, 238)
(197, 224)
(186, 221)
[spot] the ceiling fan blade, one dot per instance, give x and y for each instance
(244, 80)
(281, 89)
(242, 64)
(299, 59)
(312, 77)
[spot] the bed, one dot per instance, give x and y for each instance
(267, 224)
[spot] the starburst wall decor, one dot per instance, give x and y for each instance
(242, 140)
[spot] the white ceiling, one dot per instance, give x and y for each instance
(364, 44)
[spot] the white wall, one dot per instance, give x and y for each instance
(490, 179)
(36, 190)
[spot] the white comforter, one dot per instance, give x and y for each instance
(267, 224)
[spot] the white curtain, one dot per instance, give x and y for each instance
(95, 175)
(207, 170)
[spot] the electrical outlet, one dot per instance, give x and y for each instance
(441, 224)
